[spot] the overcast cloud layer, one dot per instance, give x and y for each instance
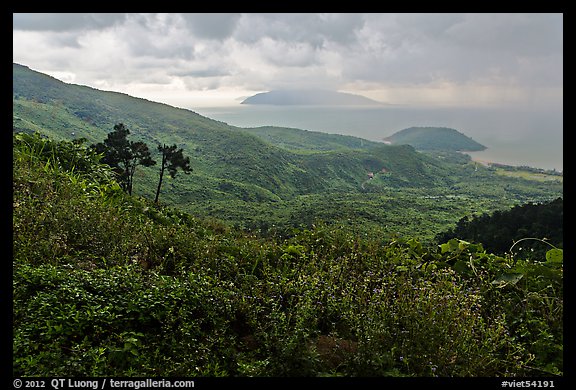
(395, 58)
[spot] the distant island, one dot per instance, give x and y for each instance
(434, 138)
(310, 97)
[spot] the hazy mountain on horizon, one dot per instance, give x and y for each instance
(310, 97)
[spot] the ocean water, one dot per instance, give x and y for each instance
(512, 136)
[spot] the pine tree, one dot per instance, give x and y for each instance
(124, 155)
(172, 159)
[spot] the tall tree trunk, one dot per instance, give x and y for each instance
(162, 167)
(131, 178)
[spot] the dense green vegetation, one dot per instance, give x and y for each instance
(106, 284)
(282, 253)
(306, 141)
(435, 138)
(274, 179)
(500, 230)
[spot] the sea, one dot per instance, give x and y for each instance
(513, 136)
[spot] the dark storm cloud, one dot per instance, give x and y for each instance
(65, 21)
(521, 34)
(416, 48)
(211, 25)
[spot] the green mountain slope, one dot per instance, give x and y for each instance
(435, 138)
(306, 140)
(222, 155)
(266, 178)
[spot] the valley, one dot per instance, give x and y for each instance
(263, 177)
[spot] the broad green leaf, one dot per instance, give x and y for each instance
(555, 256)
(450, 246)
(507, 279)
(461, 267)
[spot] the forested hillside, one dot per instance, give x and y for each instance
(221, 153)
(111, 285)
(435, 138)
(272, 180)
(309, 141)
(500, 230)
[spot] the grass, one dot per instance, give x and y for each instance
(535, 176)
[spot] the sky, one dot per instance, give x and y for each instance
(200, 59)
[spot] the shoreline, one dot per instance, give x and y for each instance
(489, 163)
(486, 163)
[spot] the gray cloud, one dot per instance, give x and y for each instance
(65, 21)
(156, 36)
(266, 51)
(211, 25)
(521, 34)
(313, 29)
(419, 48)
(206, 72)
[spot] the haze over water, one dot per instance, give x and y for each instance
(513, 136)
